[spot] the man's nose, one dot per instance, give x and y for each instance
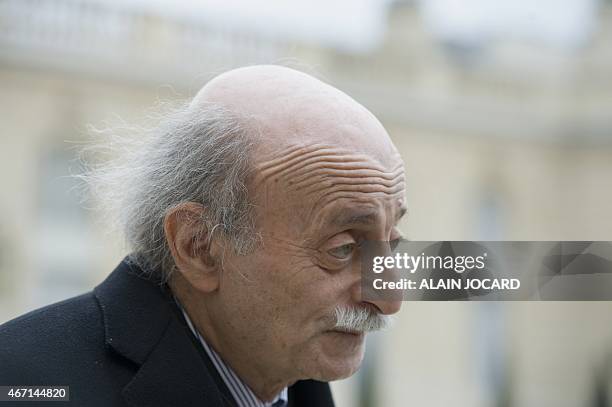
(368, 290)
(386, 305)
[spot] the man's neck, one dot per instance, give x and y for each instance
(264, 379)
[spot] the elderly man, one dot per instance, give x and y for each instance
(245, 213)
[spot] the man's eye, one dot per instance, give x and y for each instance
(344, 251)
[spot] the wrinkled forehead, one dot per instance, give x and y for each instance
(321, 186)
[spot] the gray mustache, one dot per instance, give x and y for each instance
(360, 319)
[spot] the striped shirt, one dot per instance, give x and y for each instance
(242, 393)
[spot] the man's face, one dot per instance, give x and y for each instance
(315, 204)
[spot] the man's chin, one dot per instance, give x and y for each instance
(337, 370)
(341, 355)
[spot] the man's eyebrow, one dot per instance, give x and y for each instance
(364, 218)
(348, 218)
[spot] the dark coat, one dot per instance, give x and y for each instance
(124, 344)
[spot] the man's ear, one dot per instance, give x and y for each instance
(189, 242)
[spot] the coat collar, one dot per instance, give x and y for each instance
(141, 324)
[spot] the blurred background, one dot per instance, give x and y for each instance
(502, 110)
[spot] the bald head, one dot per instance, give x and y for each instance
(290, 108)
(262, 89)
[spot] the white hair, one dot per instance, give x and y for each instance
(360, 319)
(196, 155)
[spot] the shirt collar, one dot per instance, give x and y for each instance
(242, 393)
